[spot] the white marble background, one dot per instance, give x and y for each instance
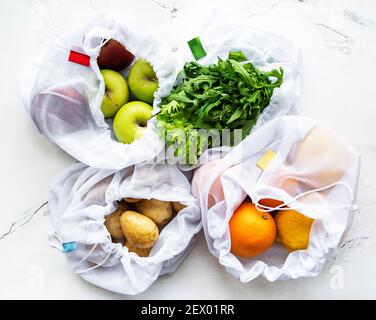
(338, 41)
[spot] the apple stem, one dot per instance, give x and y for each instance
(155, 115)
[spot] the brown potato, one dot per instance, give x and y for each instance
(144, 253)
(139, 230)
(132, 200)
(177, 206)
(112, 223)
(122, 205)
(158, 211)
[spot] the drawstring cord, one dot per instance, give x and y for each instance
(54, 235)
(87, 256)
(103, 40)
(284, 206)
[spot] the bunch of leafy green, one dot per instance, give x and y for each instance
(230, 94)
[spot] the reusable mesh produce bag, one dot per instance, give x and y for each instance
(265, 49)
(81, 199)
(64, 98)
(313, 171)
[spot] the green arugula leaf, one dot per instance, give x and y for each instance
(237, 56)
(230, 94)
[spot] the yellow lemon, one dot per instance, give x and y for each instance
(293, 229)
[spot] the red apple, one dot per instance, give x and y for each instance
(114, 56)
(60, 111)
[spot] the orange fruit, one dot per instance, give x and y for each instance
(270, 203)
(252, 231)
(290, 185)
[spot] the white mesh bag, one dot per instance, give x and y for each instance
(83, 196)
(313, 171)
(64, 98)
(265, 49)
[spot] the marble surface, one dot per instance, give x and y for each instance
(337, 39)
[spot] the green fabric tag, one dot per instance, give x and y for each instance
(197, 49)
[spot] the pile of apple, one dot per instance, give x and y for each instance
(128, 101)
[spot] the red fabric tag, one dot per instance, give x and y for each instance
(79, 58)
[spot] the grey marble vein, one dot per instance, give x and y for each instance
(42, 16)
(358, 19)
(24, 219)
(335, 39)
(171, 7)
(338, 33)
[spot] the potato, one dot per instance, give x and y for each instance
(144, 253)
(112, 223)
(132, 200)
(177, 206)
(122, 205)
(139, 230)
(158, 211)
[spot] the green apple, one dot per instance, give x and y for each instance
(131, 121)
(116, 93)
(143, 81)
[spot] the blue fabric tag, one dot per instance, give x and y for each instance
(69, 247)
